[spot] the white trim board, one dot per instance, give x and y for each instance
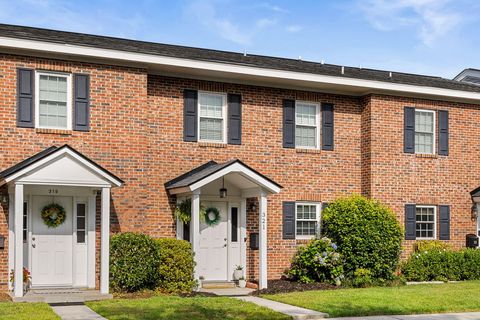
(244, 73)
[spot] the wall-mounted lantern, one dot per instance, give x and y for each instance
(4, 199)
(2, 242)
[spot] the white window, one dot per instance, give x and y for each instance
(307, 120)
(53, 105)
(425, 222)
(307, 216)
(212, 117)
(424, 131)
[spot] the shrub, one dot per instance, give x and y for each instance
(362, 278)
(442, 265)
(367, 233)
(318, 261)
(176, 266)
(134, 262)
(429, 245)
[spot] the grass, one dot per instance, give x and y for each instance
(174, 307)
(26, 311)
(415, 299)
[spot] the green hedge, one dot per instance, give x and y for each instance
(134, 262)
(176, 266)
(367, 233)
(442, 265)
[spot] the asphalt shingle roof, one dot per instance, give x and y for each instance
(209, 55)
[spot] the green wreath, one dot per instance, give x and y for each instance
(212, 216)
(53, 215)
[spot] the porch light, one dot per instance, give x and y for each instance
(4, 199)
(223, 190)
(475, 211)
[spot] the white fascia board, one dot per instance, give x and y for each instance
(232, 69)
(56, 155)
(239, 168)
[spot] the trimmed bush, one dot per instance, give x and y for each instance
(429, 245)
(176, 266)
(318, 261)
(362, 278)
(367, 233)
(442, 265)
(134, 262)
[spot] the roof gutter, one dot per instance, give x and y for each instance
(234, 71)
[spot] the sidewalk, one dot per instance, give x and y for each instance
(442, 316)
(76, 312)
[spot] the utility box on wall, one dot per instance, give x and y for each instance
(472, 241)
(254, 241)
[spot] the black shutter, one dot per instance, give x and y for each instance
(288, 220)
(444, 219)
(327, 126)
(443, 133)
(25, 98)
(288, 123)
(410, 222)
(409, 130)
(234, 119)
(81, 119)
(190, 113)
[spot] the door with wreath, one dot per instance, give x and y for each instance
(213, 253)
(52, 241)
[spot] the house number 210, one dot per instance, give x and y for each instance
(52, 191)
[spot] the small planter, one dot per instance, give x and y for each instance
(237, 274)
(242, 283)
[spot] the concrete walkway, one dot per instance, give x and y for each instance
(441, 316)
(229, 292)
(76, 312)
(296, 313)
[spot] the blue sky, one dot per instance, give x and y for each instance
(435, 37)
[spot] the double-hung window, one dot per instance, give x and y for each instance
(53, 106)
(307, 124)
(424, 131)
(212, 117)
(307, 216)
(425, 222)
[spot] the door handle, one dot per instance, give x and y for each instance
(33, 245)
(224, 245)
(33, 238)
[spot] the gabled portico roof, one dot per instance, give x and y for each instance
(83, 169)
(210, 171)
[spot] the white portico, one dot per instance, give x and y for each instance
(224, 187)
(62, 256)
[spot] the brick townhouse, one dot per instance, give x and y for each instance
(115, 132)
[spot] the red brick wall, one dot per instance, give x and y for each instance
(137, 133)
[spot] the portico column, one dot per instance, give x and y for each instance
(105, 241)
(18, 229)
(195, 226)
(262, 225)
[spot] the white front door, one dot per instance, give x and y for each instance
(51, 247)
(213, 254)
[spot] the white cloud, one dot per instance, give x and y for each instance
(294, 28)
(265, 22)
(432, 19)
(205, 11)
(62, 15)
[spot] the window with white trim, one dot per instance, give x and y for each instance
(307, 123)
(81, 222)
(53, 105)
(212, 117)
(424, 131)
(307, 217)
(425, 222)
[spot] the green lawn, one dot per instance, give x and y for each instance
(26, 311)
(172, 308)
(431, 298)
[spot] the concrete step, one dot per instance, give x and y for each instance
(62, 296)
(218, 284)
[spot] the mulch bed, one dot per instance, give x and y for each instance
(283, 286)
(5, 296)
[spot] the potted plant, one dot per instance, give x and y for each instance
(242, 283)
(27, 279)
(238, 272)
